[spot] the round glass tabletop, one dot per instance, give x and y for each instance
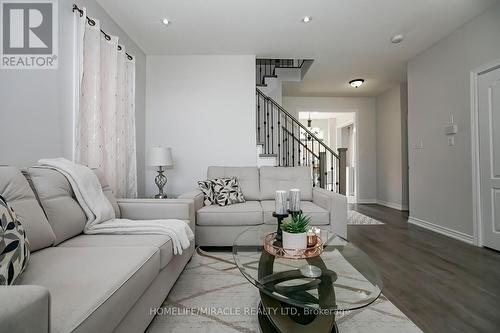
(348, 279)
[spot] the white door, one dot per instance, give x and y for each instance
(489, 155)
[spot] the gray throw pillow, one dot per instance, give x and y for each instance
(14, 246)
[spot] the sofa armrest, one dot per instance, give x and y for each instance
(336, 204)
(157, 209)
(24, 309)
(197, 197)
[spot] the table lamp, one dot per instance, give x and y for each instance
(160, 157)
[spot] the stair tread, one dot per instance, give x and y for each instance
(261, 143)
(261, 85)
(268, 155)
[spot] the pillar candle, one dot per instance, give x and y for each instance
(294, 200)
(280, 203)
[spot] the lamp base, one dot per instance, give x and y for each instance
(161, 196)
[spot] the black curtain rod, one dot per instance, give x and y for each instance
(92, 23)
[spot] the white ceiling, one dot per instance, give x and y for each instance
(346, 38)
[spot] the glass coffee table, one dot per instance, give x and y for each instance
(305, 295)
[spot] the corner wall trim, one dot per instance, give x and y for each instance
(392, 205)
(469, 239)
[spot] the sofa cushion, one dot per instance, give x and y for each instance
(91, 289)
(248, 178)
(17, 192)
(273, 179)
(319, 216)
(247, 213)
(57, 198)
(108, 192)
(161, 242)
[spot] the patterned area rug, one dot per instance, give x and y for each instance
(356, 218)
(212, 296)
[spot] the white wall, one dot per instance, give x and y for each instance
(438, 84)
(204, 108)
(364, 109)
(390, 140)
(37, 105)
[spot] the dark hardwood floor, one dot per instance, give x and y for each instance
(441, 284)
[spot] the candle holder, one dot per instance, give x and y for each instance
(294, 213)
(279, 232)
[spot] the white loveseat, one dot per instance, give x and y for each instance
(218, 226)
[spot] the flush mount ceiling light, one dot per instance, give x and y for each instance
(165, 21)
(307, 19)
(356, 83)
(396, 39)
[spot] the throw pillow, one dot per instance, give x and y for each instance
(206, 186)
(227, 191)
(14, 246)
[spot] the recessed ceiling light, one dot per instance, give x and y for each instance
(307, 19)
(165, 21)
(356, 83)
(397, 38)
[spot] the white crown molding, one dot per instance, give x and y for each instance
(469, 239)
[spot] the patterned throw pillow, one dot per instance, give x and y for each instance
(227, 191)
(206, 186)
(14, 246)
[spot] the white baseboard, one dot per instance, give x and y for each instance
(392, 205)
(367, 201)
(442, 230)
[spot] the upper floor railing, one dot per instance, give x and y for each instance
(267, 67)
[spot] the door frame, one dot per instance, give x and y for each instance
(476, 167)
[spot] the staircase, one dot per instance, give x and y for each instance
(283, 141)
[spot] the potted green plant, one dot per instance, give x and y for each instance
(295, 229)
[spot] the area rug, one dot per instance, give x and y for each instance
(356, 218)
(211, 296)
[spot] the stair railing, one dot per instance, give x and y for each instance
(284, 137)
(267, 67)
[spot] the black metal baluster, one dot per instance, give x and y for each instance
(293, 146)
(331, 170)
(261, 76)
(313, 165)
(258, 117)
(278, 141)
(267, 126)
(272, 128)
(266, 105)
(285, 142)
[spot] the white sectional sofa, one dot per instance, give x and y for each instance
(218, 226)
(86, 283)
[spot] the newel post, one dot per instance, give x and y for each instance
(342, 169)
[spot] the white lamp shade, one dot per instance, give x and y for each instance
(160, 156)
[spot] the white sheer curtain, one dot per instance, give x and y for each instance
(105, 121)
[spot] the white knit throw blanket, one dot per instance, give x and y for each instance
(100, 214)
